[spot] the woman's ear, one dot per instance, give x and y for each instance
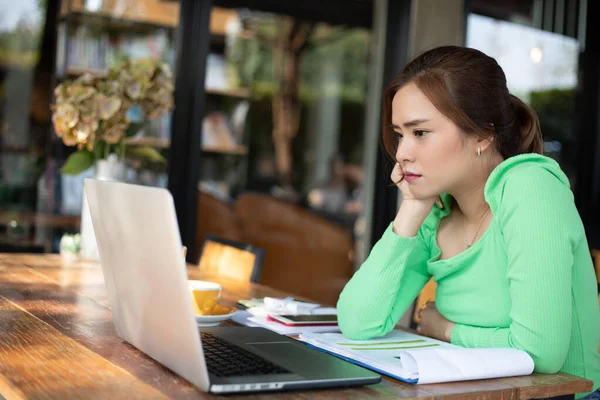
(484, 142)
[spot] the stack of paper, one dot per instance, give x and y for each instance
(259, 309)
(418, 359)
(248, 319)
(287, 306)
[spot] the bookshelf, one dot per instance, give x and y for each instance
(239, 150)
(242, 93)
(144, 13)
(40, 219)
(162, 143)
(74, 72)
(96, 34)
(112, 22)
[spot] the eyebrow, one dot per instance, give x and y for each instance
(409, 124)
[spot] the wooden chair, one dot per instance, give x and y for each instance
(304, 254)
(215, 217)
(235, 260)
(426, 294)
(596, 259)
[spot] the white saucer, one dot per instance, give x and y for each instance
(206, 321)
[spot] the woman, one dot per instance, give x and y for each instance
(505, 243)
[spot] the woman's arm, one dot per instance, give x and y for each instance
(541, 230)
(388, 281)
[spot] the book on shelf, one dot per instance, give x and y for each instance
(419, 360)
(147, 12)
(92, 50)
(216, 131)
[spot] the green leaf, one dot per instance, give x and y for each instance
(78, 162)
(145, 153)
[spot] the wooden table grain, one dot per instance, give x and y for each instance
(57, 341)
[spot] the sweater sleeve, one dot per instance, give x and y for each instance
(541, 229)
(385, 285)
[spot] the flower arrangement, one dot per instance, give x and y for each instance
(93, 112)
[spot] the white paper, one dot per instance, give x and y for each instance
(448, 364)
(241, 317)
(420, 359)
(288, 306)
(324, 311)
(290, 330)
(383, 353)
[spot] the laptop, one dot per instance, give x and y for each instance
(146, 279)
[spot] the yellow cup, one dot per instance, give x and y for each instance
(204, 296)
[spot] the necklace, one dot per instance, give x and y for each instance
(467, 244)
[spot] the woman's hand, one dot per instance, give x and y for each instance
(397, 177)
(412, 211)
(433, 324)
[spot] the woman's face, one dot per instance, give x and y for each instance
(434, 154)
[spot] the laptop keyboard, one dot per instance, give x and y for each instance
(224, 359)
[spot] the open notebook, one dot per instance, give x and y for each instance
(417, 359)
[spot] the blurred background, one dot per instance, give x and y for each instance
(269, 124)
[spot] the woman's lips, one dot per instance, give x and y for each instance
(411, 177)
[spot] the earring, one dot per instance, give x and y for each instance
(478, 151)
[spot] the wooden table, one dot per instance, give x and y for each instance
(57, 340)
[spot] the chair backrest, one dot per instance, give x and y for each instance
(596, 259)
(426, 294)
(305, 255)
(232, 259)
(216, 217)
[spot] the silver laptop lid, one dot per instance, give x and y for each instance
(140, 251)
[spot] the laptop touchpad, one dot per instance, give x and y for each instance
(281, 351)
(299, 359)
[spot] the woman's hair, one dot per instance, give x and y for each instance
(469, 88)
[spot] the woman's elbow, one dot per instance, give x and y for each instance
(356, 319)
(548, 353)
(548, 364)
(354, 332)
(355, 329)
(349, 318)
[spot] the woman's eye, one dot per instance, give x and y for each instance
(419, 133)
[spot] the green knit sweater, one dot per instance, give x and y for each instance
(527, 283)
